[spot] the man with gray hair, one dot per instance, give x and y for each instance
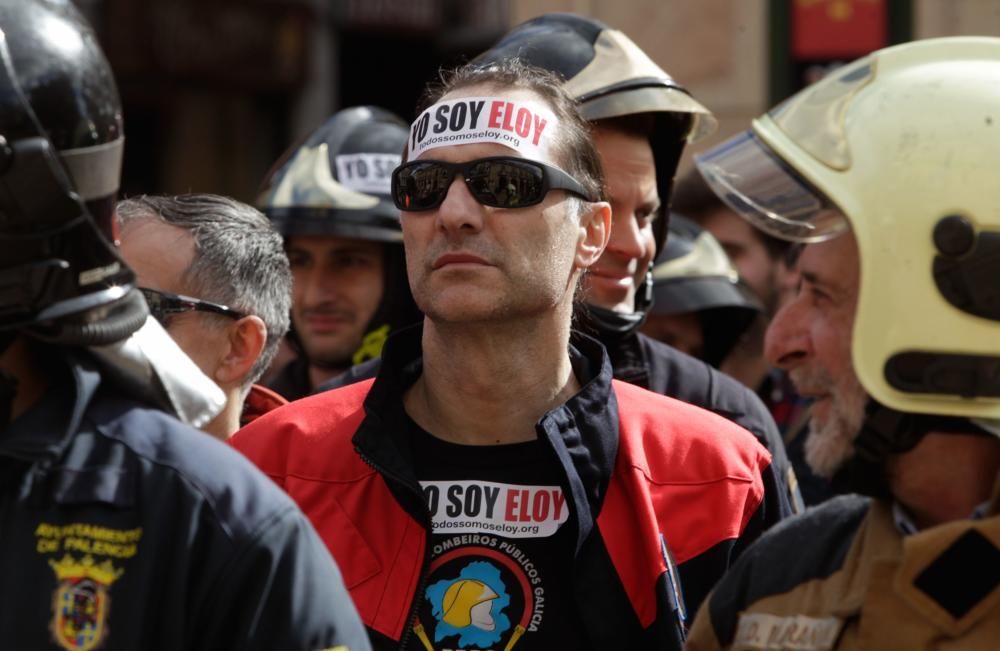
(221, 259)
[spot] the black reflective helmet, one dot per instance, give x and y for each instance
(337, 181)
(694, 274)
(610, 77)
(61, 146)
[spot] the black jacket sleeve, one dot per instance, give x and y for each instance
(282, 592)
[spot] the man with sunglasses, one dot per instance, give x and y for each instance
(494, 487)
(215, 275)
(121, 527)
(641, 120)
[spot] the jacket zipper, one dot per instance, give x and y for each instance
(424, 563)
(411, 619)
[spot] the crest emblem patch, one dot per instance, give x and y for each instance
(81, 602)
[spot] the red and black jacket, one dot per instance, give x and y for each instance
(639, 468)
(258, 402)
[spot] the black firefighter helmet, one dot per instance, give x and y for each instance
(337, 183)
(61, 143)
(693, 274)
(611, 77)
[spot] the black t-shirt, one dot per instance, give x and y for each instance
(502, 548)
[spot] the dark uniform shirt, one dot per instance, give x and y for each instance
(292, 382)
(121, 528)
(502, 547)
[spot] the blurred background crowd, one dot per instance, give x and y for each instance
(197, 75)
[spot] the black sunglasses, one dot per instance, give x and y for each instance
(163, 304)
(498, 181)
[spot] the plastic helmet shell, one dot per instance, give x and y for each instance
(337, 181)
(60, 163)
(905, 144)
(611, 77)
(694, 274)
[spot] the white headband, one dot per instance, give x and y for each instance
(525, 126)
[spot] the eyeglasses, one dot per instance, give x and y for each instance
(500, 182)
(163, 304)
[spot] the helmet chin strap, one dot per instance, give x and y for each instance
(609, 325)
(644, 295)
(8, 383)
(118, 321)
(886, 432)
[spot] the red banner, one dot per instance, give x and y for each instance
(838, 29)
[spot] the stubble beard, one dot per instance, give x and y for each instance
(523, 293)
(332, 355)
(335, 359)
(830, 443)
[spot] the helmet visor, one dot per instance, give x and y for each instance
(754, 182)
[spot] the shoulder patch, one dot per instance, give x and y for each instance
(81, 601)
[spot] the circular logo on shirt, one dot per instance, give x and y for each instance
(482, 592)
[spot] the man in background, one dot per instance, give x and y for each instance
(214, 273)
(700, 306)
(329, 199)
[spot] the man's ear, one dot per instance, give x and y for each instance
(595, 232)
(247, 337)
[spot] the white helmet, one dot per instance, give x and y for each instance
(902, 147)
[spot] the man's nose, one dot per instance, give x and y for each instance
(318, 284)
(786, 343)
(460, 211)
(626, 236)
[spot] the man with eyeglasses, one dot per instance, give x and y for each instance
(494, 487)
(215, 274)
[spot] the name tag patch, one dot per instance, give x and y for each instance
(762, 632)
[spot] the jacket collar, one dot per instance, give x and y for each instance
(582, 432)
(42, 432)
